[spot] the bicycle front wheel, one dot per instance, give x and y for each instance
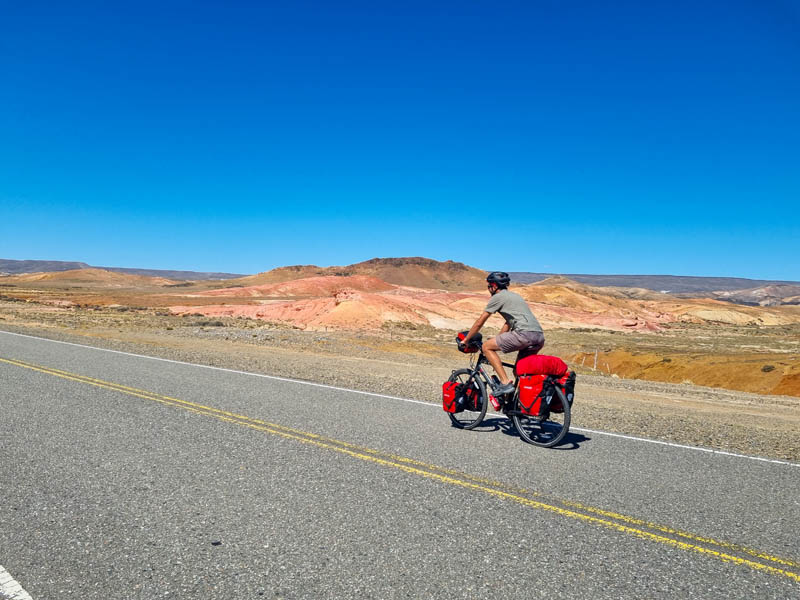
(474, 405)
(542, 431)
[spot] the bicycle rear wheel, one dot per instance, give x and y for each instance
(474, 406)
(545, 431)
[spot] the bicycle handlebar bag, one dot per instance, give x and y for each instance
(474, 344)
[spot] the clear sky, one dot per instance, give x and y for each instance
(561, 136)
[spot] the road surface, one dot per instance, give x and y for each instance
(126, 476)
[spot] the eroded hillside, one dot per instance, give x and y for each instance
(624, 332)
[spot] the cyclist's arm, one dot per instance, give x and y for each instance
(476, 327)
(505, 327)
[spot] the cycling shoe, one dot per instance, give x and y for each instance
(503, 390)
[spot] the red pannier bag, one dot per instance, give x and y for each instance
(451, 390)
(456, 399)
(538, 373)
(531, 394)
(567, 385)
(471, 400)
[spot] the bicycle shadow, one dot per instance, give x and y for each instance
(571, 441)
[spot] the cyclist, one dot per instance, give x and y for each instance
(521, 330)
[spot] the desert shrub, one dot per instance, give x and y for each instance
(408, 325)
(768, 368)
(210, 324)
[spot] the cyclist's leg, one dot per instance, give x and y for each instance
(490, 349)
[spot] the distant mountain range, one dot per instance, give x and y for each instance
(673, 284)
(18, 267)
(766, 295)
(424, 272)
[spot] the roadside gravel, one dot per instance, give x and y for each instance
(767, 426)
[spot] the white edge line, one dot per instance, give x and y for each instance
(409, 400)
(685, 447)
(10, 589)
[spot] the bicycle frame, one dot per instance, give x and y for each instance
(476, 367)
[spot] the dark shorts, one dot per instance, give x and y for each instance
(511, 341)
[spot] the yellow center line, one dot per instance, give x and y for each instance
(451, 477)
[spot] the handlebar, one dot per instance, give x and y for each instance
(479, 345)
(462, 345)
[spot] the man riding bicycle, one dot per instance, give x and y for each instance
(521, 330)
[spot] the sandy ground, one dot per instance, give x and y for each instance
(414, 362)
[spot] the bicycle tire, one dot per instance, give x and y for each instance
(469, 419)
(544, 433)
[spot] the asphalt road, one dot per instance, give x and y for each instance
(131, 477)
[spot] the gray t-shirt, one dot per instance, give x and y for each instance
(514, 310)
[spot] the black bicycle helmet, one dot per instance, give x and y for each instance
(501, 279)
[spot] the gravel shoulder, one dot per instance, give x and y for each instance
(414, 366)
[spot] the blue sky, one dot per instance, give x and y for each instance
(571, 137)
